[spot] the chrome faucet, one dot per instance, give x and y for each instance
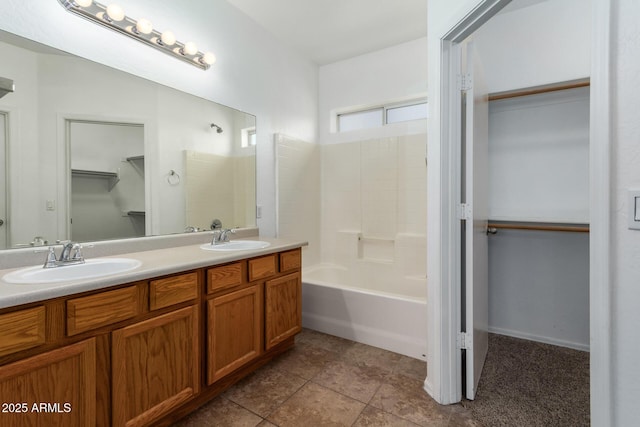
(222, 236)
(71, 254)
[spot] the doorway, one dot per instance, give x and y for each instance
(107, 180)
(444, 379)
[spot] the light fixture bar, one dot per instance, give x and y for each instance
(113, 17)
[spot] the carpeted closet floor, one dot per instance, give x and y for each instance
(525, 383)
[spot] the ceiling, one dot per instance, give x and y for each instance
(327, 31)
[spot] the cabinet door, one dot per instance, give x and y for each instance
(283, 302)
(56, 388)
(234, 331)
(155, 366)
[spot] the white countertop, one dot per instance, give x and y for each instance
(158, 262)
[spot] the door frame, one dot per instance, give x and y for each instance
(4, 116)
(443, 382)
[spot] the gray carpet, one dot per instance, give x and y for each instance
(525, 383)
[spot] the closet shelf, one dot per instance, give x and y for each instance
(136, 213)
(135, 158)
(112, 177)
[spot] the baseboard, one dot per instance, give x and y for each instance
(402, 344)
(539, 338)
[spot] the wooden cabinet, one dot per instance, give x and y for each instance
(173, 290)
(263, 267)
(155, 366)
(21, 330)
(101, 309)
(56, 388)
(234, 331)
(224, 277)
(283, 302)
(148, 352)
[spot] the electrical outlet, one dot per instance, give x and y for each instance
(50, 205)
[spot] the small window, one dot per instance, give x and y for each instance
(407, 112)
(383, 115)
(360, 120)
(248, 137)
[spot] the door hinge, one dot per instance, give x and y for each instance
(465, 82)
(464, 211)
(464, 341)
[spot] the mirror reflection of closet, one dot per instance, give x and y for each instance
(107, 180)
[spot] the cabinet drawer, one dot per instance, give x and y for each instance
(260, 268)
(173, 290)
(105, 308)
(224, 276)
(21, 330)
(290, 260)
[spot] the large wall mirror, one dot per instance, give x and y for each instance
(92, 153)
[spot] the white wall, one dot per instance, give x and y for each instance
(545, 42)
(393, 74)
(625, 243)
(254, 72)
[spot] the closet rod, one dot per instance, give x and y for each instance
(573, 84)
(540, 227)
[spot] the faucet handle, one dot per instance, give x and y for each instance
(224, 235)
(77, 253)
(51, 258)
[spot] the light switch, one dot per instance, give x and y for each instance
(634, 209)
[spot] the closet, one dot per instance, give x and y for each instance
(539, 212)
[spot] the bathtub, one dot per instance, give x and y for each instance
(367, 304)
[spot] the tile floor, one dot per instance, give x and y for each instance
(330, 381)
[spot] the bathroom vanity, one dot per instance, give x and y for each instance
(148, 346)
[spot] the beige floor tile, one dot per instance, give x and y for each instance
(220, 413)
(325, 341)
(374, 417)
(412, 368)
(317, 406)
(264, 390)
(362, 354)
(357, 382)
(404, 397)
(304, 360)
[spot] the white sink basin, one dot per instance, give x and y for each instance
(236, 245)
(92, 268)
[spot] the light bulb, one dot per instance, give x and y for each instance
(168, 38)
(209, 58)
(83, 3)
(115, 12)
(190, 48)
(144, 26)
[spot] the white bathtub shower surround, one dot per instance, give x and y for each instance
(367, 303)
(366, 279)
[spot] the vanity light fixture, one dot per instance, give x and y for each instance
(113, 17)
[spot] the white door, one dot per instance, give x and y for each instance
(3, 181)
(476, 198)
